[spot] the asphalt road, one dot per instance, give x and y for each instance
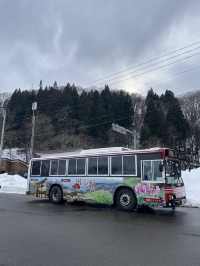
(35, 232)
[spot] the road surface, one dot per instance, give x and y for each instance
(35, 232)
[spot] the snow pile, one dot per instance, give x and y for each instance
(192, 186)
(13, 184)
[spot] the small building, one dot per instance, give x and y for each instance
(13, 167)
(14, 161)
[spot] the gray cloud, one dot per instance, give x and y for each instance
(79, 41)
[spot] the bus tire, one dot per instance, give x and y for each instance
(56, 194)
(173, 203)
(125, 199)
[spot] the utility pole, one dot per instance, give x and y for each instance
(134, 139)
(34, 108)
(124, 131)
(2, 133)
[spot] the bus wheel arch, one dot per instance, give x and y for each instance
(56, 194)
(125, 198)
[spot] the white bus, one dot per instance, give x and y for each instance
(124, 177)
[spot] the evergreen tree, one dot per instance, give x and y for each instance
(55, 85)
(176, 127)
(153, 126)
(164, 122)
(41, 85)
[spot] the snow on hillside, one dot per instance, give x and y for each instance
(192, 186)
(14, 154)
(12, 184)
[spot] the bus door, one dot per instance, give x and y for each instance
(151, 188)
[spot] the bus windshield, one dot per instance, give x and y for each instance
(173, 170)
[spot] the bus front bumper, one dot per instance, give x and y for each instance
(180, 201)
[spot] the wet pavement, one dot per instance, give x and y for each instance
(35, 232)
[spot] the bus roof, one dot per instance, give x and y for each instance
(100, 151)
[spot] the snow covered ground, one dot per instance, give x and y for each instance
(192, 186)
(12, 184)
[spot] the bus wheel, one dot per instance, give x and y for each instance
(126, 199)
(173, 203)
(56, 194)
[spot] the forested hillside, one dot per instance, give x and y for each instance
(69, 118)
(164, 122)
(190, 105)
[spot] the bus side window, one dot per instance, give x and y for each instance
(151, 171)
(81, 166)
(103, 165)
(157, 174)
(116, 165)
(62, 167)
(147, 171)
(92, 166)
(45, 168)
(72, 167)
(35, 168)
(54, 167)
(129, 167)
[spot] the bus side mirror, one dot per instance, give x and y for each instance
(161, 167)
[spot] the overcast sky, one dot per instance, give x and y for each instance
(85, 41)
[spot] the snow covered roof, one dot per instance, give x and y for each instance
(14, 154)
(100, 151)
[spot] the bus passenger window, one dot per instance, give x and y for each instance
(151, 171)
(147, 171)
(80, 166)
(129, 165)
(103, 165)
(116, 165)
(54, 167)
(92, 166)
(72, 167)
(35, 168)
(62, 167)
(45, 168)
(156, 170)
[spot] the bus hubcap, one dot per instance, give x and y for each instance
(55, 196)
(125, 200)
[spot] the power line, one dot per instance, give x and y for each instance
(133, 66)
(156, 68)
(28, 117)
(182, 59)
(180, 73)
(145, 72)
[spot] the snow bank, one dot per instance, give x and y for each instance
(13, 184)
(192, 186)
